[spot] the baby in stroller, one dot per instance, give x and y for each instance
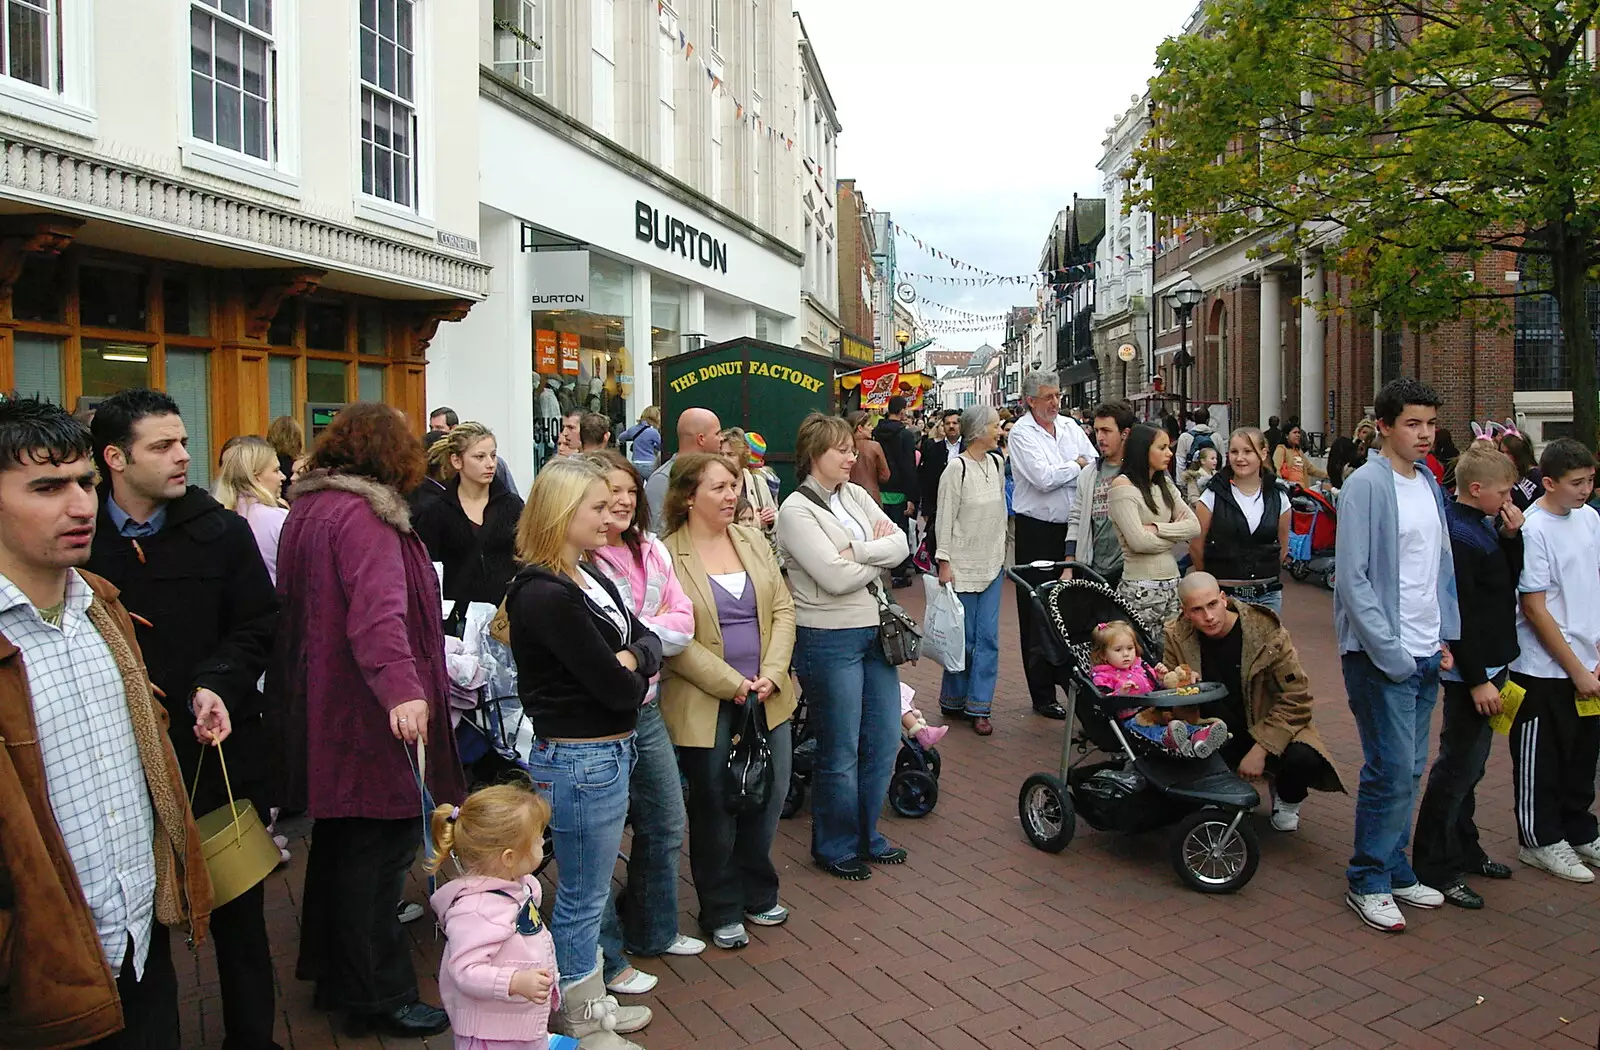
(1120, 669)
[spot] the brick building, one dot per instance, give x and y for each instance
(856, 275)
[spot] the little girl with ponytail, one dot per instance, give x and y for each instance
(498, 977)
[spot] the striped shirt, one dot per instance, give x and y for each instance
(93, 773)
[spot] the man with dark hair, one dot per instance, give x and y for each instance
(594, 431)
(189, 569)
(1199, 435)
(1274, 436)
(441, 419)
(99, 854)
(937, 451)
(899, 493)
(570, 442)
(1394, 609)
(1091, 536)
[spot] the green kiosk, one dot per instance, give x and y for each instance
(748, 383)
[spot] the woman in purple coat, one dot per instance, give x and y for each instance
(360, 678)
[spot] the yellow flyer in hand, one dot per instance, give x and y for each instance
(1588, 706)
(1511, 695)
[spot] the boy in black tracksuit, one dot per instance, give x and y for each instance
(1486, 540)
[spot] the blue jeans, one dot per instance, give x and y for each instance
(655, 802)
(587, 785)
(1393, 720)
(1271, 600)
(971, 692)
(854, 697)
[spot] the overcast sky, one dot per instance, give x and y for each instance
(974, 121)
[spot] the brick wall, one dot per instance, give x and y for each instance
(855, 312)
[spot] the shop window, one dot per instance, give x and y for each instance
(666, 312)
(388, 102)
(325, 326)
(112, 297)
(280, 387)
(36, 361)
(587, 349)
(109, 366)
(233, 76)
(186, 305)
(189, 384)
(281, 331)
(370, 379)
(40, 291)
(325, 381)
(370, 331)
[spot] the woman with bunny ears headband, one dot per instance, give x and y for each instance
(1519, 450)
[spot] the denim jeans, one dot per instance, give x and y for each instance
(1271, 600)
(650, 894)
(971, 691)
(854, 697)
(587, 785)
(731, 855)
(1393, 720)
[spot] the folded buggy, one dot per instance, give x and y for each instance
(1135, 786)
(913, 790)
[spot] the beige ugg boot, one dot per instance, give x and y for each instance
(590, 1016)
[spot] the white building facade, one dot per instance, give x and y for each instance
(637, 178)
(259, 206)
(1124, 265)
(817, 201)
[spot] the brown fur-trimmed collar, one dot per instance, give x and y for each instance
(385, 502)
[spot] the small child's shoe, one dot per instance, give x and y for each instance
(928, 736)
(1179, 741)
(1207, 740)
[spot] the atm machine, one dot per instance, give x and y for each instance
(318, 415)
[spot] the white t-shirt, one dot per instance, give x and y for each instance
(602, 597)
(836, 505)
(732, 582)
(1421, 535)
(1561, 558)
(1253, 506)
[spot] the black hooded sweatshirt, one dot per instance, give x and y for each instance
(479, 560)
(900, 447)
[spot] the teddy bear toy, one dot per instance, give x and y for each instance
(1179, 677)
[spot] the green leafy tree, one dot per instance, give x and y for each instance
(1406, 140)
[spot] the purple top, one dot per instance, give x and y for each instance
(741, 630)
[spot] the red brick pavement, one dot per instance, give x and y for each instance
(983, 941)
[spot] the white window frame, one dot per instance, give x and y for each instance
(756, 141)
(715, 23)
(281, 175)
(603, 67)
(528, 68)
(418, 219)
(755, 45)
(714, 181)
(666, 100)
(69, 104)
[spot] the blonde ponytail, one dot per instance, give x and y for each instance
(443, 825)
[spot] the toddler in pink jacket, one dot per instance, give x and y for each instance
(498, 977)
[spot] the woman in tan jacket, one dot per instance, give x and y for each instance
(837, 543)
(743, 639)
(1150, 516)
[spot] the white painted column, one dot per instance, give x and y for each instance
(1271, 370)
(1313, 407)
(694, 322)
(747, 320)
(639, 393)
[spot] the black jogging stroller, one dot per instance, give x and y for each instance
(1133, 785)
(913, 790)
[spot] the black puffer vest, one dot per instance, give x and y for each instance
(1233, 551)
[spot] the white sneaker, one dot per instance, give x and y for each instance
(405, 911)
(1377, 910)
(1559, 859)
(685, 945)
(1589, 851)
(1418, 896)
(632, 982)
(1285, 815)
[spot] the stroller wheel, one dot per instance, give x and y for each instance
(1211, 859)
(549, 850)
(907, 759)
(1327, 581)
(1299, 570)
(1046, 812)
(795, 798)
(913, 793)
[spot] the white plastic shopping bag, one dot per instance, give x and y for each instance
(944, 625)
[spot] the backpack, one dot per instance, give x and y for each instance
(1202, 440)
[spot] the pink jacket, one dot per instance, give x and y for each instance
(1126, 681)
(483, 949)
(653, 594)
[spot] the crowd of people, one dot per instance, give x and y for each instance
(662, 612)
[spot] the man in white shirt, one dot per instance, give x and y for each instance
(1048, 453)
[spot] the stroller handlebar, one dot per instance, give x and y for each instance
(1012, 572)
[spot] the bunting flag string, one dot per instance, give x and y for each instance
(988, 277)
(959, 313)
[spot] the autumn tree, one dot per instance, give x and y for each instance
(1405, 140)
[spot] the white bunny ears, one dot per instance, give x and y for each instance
(1492, 431)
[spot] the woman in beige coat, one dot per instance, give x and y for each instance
(1150, 516)
(743, 639)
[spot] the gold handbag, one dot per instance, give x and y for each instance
(239, 853)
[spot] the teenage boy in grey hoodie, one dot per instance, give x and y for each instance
(1394, 608)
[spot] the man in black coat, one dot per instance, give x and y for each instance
(205, 609)
(899, 494)
(937, 452)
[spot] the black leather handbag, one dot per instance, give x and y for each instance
(747, 779)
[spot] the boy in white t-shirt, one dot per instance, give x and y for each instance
(1555, 745)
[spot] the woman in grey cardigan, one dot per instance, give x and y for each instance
(970, 547)
(836, 543)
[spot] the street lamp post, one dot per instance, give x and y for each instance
(902, 337)
(1183, 298)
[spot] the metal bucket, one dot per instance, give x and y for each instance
(239, 853)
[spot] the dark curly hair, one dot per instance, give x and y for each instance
(1393, 399)
(374, 441)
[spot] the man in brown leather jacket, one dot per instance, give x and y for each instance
(99, 855)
